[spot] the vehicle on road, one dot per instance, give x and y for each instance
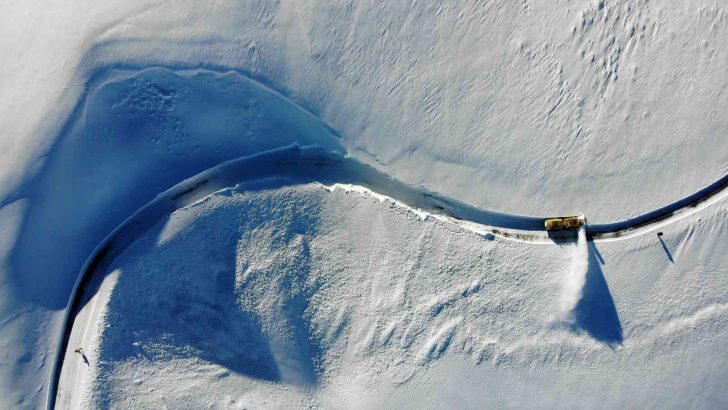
(564, 223)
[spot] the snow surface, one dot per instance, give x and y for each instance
(278, 295)
(566, 106)
(610, 109)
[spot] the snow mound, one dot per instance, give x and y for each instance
(285, 296)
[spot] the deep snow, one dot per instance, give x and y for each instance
(610, 109)
(293, 296)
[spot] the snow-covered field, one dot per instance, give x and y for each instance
(610, 109)
(271, 295)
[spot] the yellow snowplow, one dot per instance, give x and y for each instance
(567, 222)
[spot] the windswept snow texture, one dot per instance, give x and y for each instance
(273, 295)
(607, 108)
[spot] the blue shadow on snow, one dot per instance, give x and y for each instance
(667, 251)
(596, 313)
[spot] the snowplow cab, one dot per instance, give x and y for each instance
(568, 222)
(554, 224)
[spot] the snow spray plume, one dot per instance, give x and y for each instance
(575, 278)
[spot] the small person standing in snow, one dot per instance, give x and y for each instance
(79, 350)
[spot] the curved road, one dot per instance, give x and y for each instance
(294, 165)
